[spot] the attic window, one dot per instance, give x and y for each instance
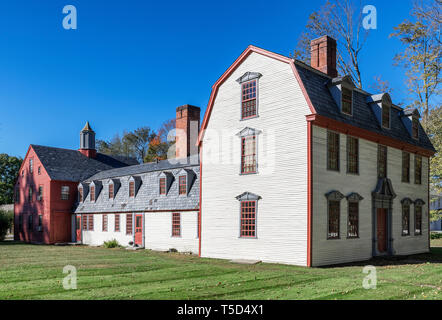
(131, 189)
(182, 185)
(80, 195)
(92, 193)
(111, 191)
(347, 96)
(162, 185)
(415, 127)
(248, 103)
(386, 115)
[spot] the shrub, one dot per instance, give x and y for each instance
(6, 219)
(111, 244)
(436, 235)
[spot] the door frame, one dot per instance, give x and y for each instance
(78, 216)
(142, 228)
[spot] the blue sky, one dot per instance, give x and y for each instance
(131, 63)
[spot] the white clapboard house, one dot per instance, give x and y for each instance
(299, 166)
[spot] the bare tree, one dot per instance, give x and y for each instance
(342, 20)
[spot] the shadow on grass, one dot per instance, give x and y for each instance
(434, 256)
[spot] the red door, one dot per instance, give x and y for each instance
(382, 229)
(139, 229)
(78, 228)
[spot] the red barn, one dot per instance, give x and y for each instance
(46, 188)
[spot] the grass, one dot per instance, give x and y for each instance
(35, 272)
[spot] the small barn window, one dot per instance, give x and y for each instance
(386, 115)
(64, 192)
(176, 224)
(131, 189)
(104, 222)
(352, 155)
(129, 223)
(117, 223)
(415, 127)
(382, 161)
(417, 219)
(332, 151)
(248, 154)
(248, 104)
(183, 185)
(111, 191)
(92, 192)
(347, 100)
(405, 166)
(417, 169)
(162, 185)
(248, 219)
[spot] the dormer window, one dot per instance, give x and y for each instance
(92, 192)
(111, 191)
(162, 185)
(415, 127)
(249, 94)
(347, 100)
(386, 115)
(132, 189)
(182, 185)
(80, 195)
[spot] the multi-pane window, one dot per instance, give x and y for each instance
(352, 155)
(382, 161)
(129, 223)
(386, 115)
(39, 170)
(248, 154)
(415, 127)
(40, 222)
(104, 222)
(84, 218)
(332, 150)
(111, 191)
(90, 222)
(117, 223)
(31, 165)
(92, 192)
(30, 221)
(31, 192)
(162, 185)
(248, 219)
(64, 192)
(132, 189)
(353, 219)
(417, 219)
(176, 224)
(347, 100)
(80, 194)
(333, 219)
(417, 169)
(248, 107)
(40, 193)
(17, 195)
(405, 166)
(183, 185)
(405, 219)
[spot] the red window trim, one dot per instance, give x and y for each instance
(176, 224)
(111, 191)
(92, 194)
(249, 90)
(104, 222)
(117, 222)
(162, 186)
(182, 185)
(131, 189)
(248, 219)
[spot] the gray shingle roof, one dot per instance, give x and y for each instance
(72, 165)
(363, 117)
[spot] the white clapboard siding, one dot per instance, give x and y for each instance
(158, 232)
(98, 236)
(346, 250)
(282, 169)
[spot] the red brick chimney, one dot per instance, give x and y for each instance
(323, 55)
(187, 129)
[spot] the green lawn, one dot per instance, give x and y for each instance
(35, 272)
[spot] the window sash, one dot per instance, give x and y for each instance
(332, 151)
(183, 185)
(334, 212)
(117, 223)
(353, 220)
(104, 222)
(248, 219)
(248, 99)
(418, 220)
(91, 222)
(131, 189)
(405, 219)
(64, 192)
(80, 195)
(111, 191)
(405, 167)
(129, 223)
(176, 224)
(162, 185)
(248, 154)
(92, 193)
(417, 169)
(347, 101)
(382, 161)
(352, 155)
